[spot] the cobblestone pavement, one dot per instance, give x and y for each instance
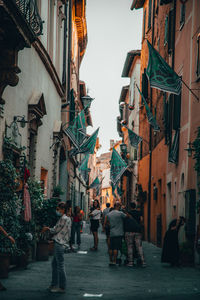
(90, 274)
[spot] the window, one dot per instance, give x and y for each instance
(198, 56)
(182, 16)
(166, 31)
(149, 16)
(144, 24)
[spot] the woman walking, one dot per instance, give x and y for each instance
(2, 288)
(76, 226)
(95, 216)
(61, 235)
(170, 251)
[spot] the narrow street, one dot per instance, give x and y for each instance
(90, 274)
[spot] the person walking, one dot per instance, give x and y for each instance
(76, 227)
(133, 236)
(82, 213)
(170, 251)
(106, 227)
(2, 230)
(115, 220)
(61, 235)
(95, 216)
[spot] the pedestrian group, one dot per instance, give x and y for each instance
(123, 231)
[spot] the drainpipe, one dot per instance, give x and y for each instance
(150, 148)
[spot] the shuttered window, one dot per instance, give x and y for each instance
(170, 119)
(166, 31)
(177, 112)
(170, 31)
(149, 15)
(144, 24)
(72, 106)
(144, 85)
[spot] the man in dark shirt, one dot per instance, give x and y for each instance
(133, 235)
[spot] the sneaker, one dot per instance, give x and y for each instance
(57, 290)
(51, 287)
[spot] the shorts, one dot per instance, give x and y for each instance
(116, 243)
(94, 225)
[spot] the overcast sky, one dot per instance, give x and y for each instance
(113, 30)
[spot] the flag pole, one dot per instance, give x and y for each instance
(197, 98)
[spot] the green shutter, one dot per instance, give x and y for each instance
(72, 107)
(165, 117)
(166, 31)
(144, 85)
(177, 112)
(141, 150)
(149, 16)
(170, 120)
(182, 17)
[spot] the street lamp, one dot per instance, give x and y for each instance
(21, 120)
(189, 149)
(87, 101)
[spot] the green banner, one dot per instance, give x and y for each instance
(161, 76)
(83, 168)
(118, 166)
(134, 138)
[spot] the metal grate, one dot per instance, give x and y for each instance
(29, 10)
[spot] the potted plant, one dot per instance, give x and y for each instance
(57, 191)
(9, 204)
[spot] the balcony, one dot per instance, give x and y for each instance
(29, 10)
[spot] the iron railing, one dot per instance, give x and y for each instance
(29, 10)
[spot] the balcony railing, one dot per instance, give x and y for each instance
(29, 10)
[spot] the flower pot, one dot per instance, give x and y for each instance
(4, 265)
(51, 247)
(42, 250)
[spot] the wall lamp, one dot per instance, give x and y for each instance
(21, 120)
(189, 149)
